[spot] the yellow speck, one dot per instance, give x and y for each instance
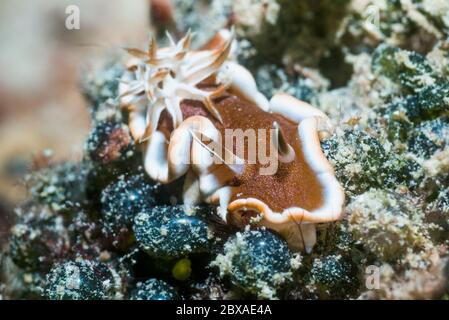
(182, 269)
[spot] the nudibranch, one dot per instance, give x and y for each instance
(182, 105)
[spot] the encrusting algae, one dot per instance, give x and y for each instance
(363, 186)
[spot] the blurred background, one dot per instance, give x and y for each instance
(41, 106)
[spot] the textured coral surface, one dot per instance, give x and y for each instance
(100, 228)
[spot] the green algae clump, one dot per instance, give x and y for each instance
(170, 232)
(122, 200)
(258, 261)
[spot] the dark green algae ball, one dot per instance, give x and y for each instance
(428, 104)
(332, 272)
(82, 280)
(123, 199)
(171, 231)
(429, 136)
(258, 261)
(154, 289)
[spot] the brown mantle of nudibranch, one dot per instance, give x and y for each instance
(281, 190)
(301, 192)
